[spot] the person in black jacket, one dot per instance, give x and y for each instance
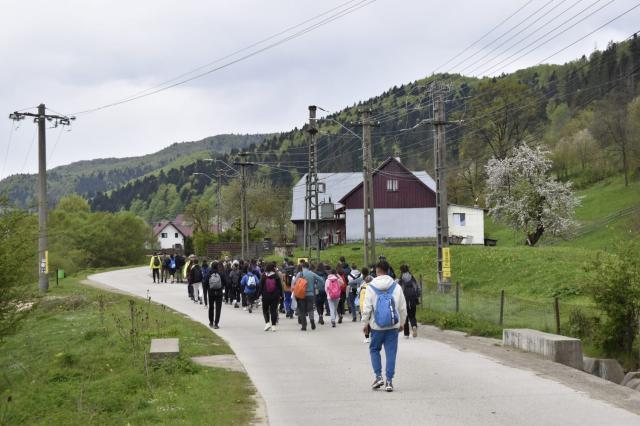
(411, 290)
(271, 291)
(217, 281)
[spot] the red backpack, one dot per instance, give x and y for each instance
(270, 284)
(333, 287)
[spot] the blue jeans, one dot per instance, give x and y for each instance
(388, 339)
(287, 303)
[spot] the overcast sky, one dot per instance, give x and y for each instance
(75, 55)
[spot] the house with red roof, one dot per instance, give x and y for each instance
(171, 234)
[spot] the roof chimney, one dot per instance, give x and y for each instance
(398, 160)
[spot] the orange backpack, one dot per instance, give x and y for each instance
(300, 288)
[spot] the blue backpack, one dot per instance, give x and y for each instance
(385, 313)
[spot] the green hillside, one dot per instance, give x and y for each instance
(550, 105)
(100, 175)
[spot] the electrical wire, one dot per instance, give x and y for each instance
(353, 8)
(6, 156)
(518, 10)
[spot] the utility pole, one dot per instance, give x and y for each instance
(439, 153)
(244, 225)
(219, 198)
(41, 117)
(369, 238)
(312, 186)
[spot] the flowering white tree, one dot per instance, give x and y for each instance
(522, 194)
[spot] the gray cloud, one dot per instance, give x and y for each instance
(78, 54)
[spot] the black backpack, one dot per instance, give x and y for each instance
(156, 261)
(411, 290)
(196, 274)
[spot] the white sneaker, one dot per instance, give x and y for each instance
(245, 308)
(366, 340)
(273, 328)
(267, 326)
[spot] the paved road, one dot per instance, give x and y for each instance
(322, 377)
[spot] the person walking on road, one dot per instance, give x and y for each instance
(195, 278)
(234, 284)
(271, 292)
(354, 280)
(205, 282)
(216, 282)
(321, 296)
(180, 262)
(172, 268)
(333, 287)
(411, 291)
(361, 293)
(249, 285)
(155, 264)
(385, 312)
(311, 282)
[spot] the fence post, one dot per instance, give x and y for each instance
(556, 304)
(57, 276)
(501, 308)
(421, 291)
(457, 296)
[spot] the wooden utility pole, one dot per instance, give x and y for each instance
(244, 219)
(313, 206)
(439, 154)
(369, 237)
(41, 117)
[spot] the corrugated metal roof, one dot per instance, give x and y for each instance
(337, 186)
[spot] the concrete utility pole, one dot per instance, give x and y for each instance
(369, 238)
(439, 154)
(244, 220)
(219, 199)
(312, 187)
(41, 117)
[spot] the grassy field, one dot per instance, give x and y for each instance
(530, 276)
(77, 359)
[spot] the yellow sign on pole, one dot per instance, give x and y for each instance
(46, 261)
(446, 273)
(446, 258)
(303, 259)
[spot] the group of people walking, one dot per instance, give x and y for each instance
(385, 305)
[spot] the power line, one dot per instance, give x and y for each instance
(6, 157)
(484, 36)
(499, 65)
(353, 8)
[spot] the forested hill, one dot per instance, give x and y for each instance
(101, 175)
(554, 105)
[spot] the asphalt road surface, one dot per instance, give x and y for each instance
(322, 377)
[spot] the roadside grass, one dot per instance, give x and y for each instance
(77, 359)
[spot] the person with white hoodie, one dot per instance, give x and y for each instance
(385, 313)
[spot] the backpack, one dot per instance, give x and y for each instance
(300, 289)
(156, 261)
(385, 313)
(333, 287)
(172, 264)
(410, 288)
(270, 284)
(252, 283)
(235, 277)
(196, 274)
(215, 282)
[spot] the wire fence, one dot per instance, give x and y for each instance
(552, 315)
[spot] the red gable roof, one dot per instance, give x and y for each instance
(413, 192)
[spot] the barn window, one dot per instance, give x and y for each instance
(392, 185)
(459, 219)
(164, 235)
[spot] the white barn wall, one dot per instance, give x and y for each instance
(473, 231)
(171, 240)
(393, 223)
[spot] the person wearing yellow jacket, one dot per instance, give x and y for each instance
(155, 264)
(362, 290)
